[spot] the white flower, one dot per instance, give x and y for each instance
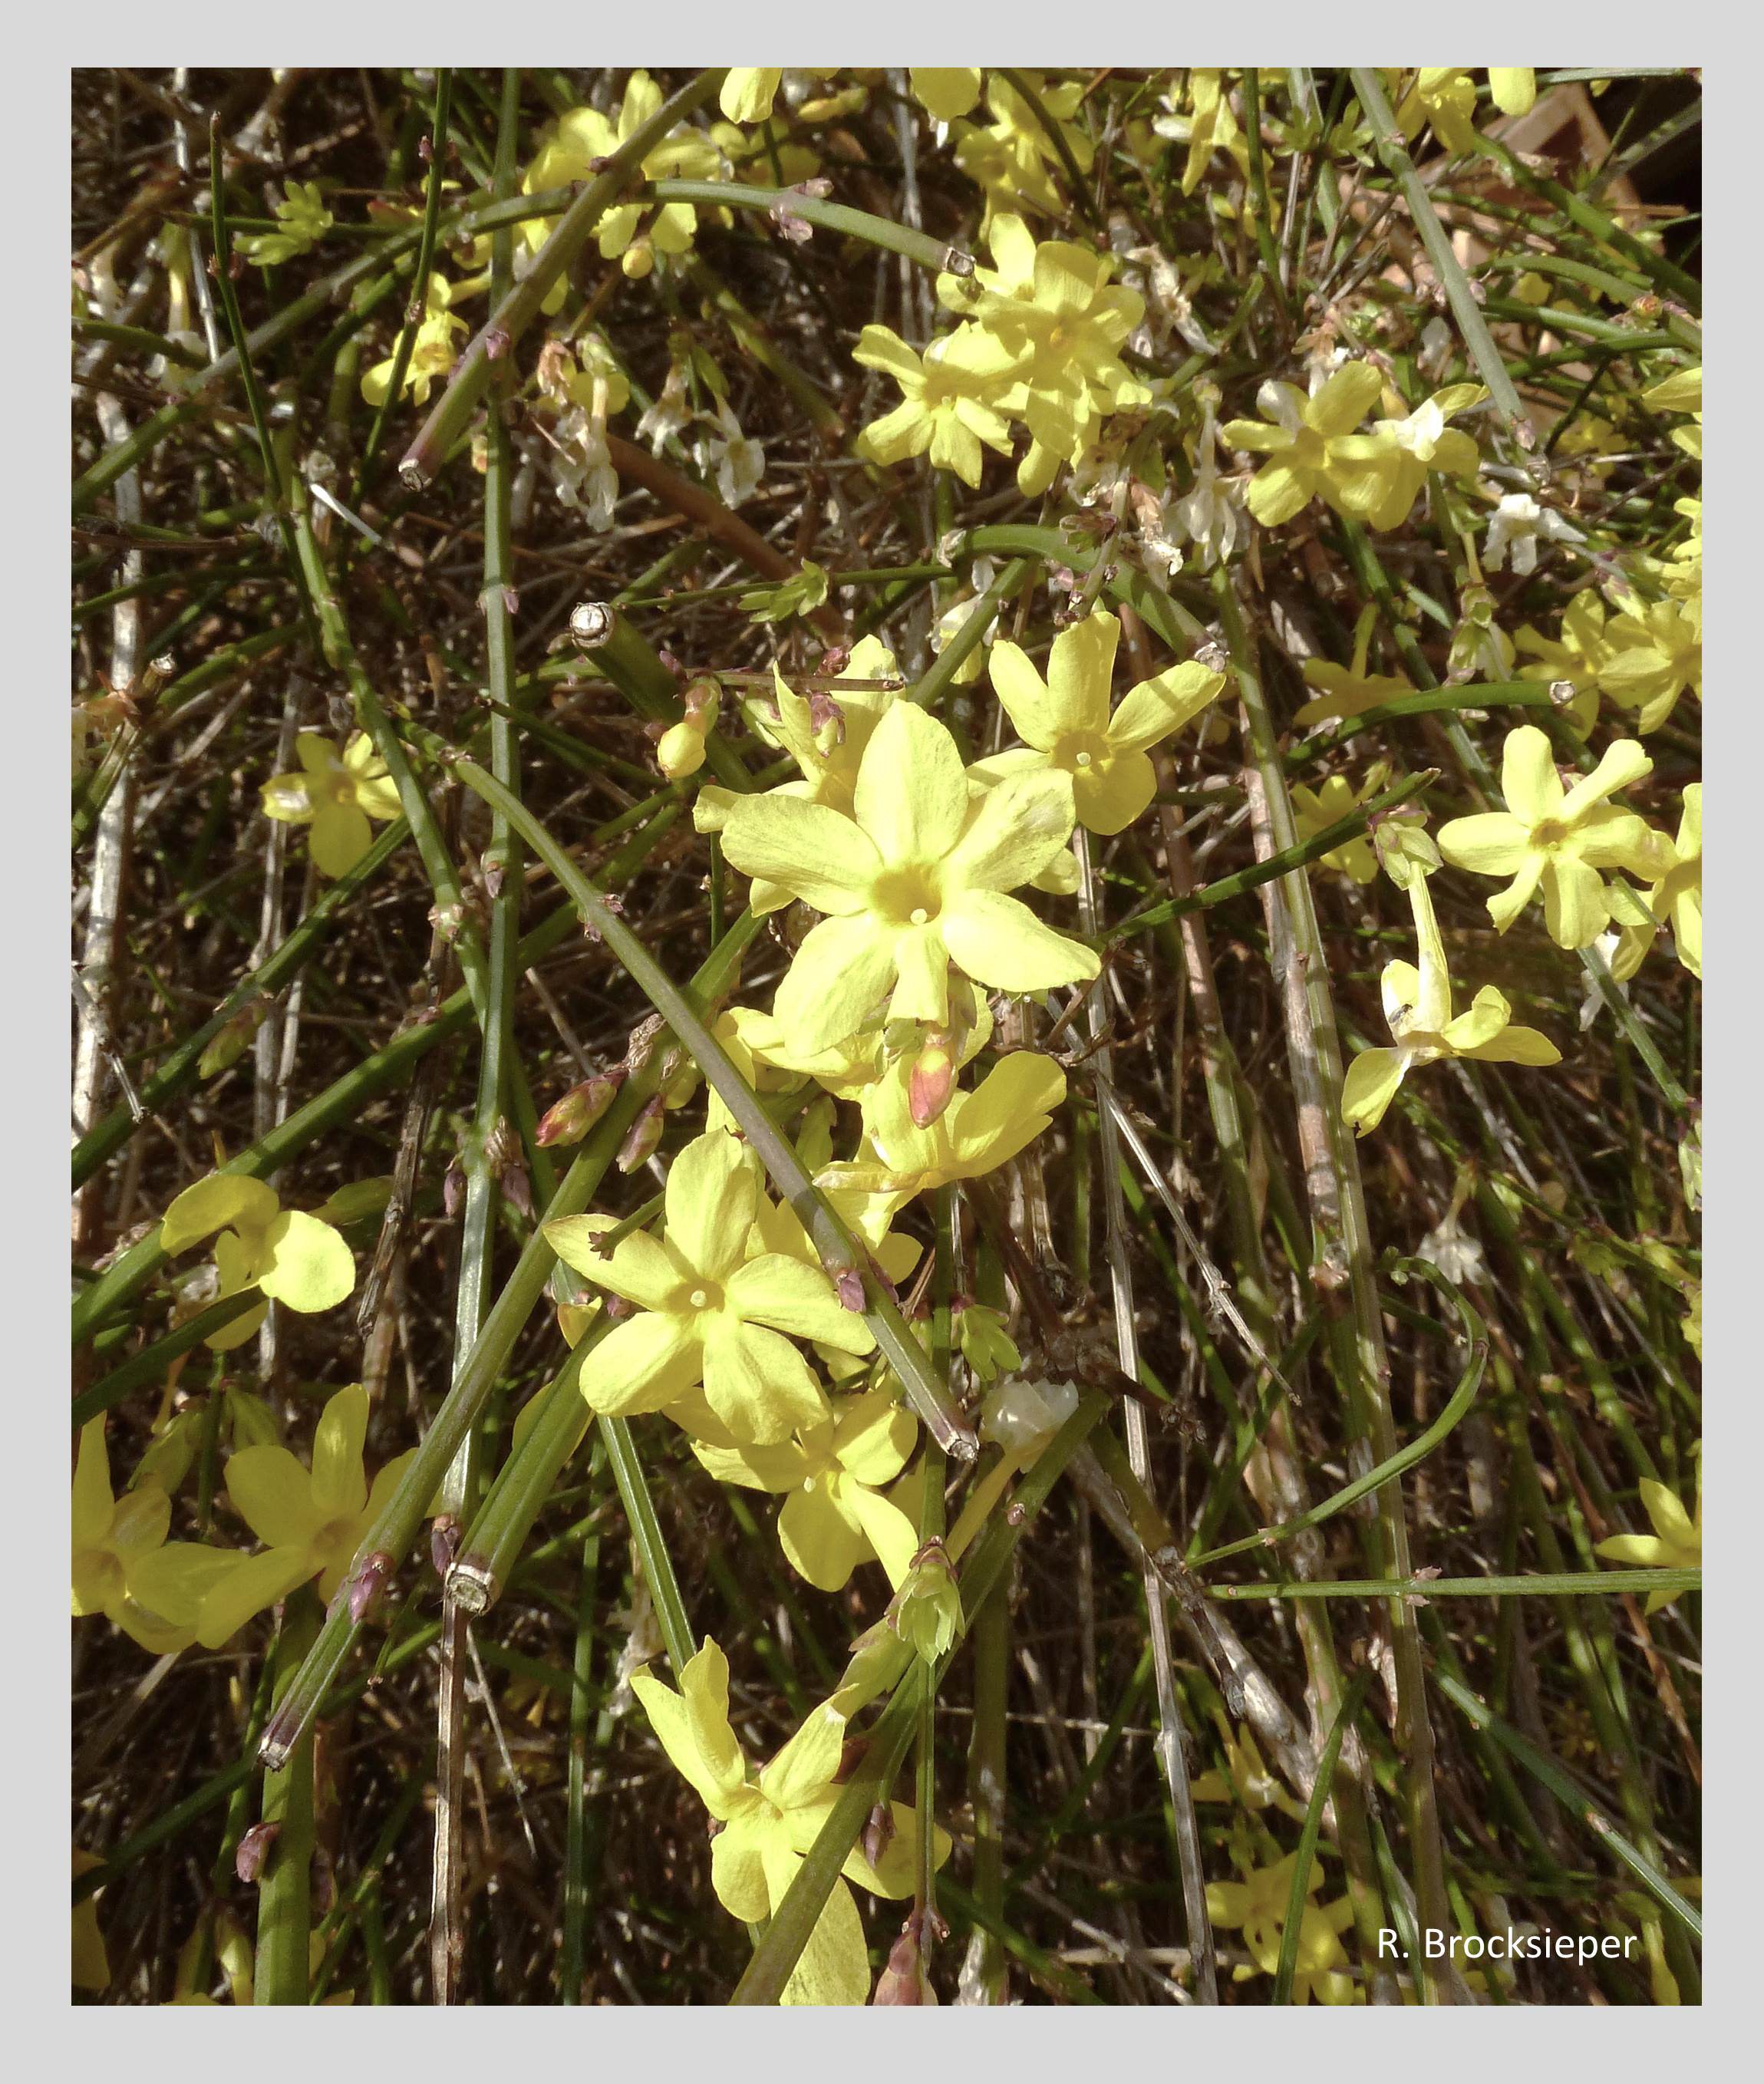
(670, 412)
(1210, 516)
(740, 463)
(1450, 1248)
(586, 477)
(1022, 1416)
(1516, 524)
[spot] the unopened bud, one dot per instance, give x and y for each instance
(824, 713)
(253, 1852)
(367, 1583)
(643, 1138)
(681, 751)
(932, 1081)
(848, 1285)
(443, 1543)
(453, 1189)
(905, 1982)
(878, 1834)
(231, 1043)
(517, 1188)
(569, 1120)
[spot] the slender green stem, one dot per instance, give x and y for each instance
(413, 316)
(841, 1256)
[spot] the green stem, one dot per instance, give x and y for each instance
(841, 1256)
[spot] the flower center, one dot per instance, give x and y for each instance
(906, 897)
(1083, 751)
(704, 1295)
(1550, 833)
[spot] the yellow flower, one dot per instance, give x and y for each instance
(1297, 434)
(1555, 838)
(1013, 158)
(1065, 722)
(1211, 128)
(1417, 1005)
(336, 794)
(947, 92)
(1060, 325)
(976, 1133)
(112, 1538)
(584, 136)
(1246, 1781)
(431, 353)
(835, 1516)
(1348, 690)
(1444, 96)
(293, 1258)
(713, 1303)
(1579, 654)
(942, 407)
(771, 1819)
(1378, 476)
(1682, 392)
(1677, 897)
(1258, 1905)
(1315, 810)
(312, 1522)
(747, 92)
(825, 736)
(913, 881)
(1656, 654)
(1676, 1543)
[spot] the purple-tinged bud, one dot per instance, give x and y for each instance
(253, 1851)
(497, 343)
(445, 1537)
(643, 1138)
(367, 1583)
(517, 1188)
(453, 1189)
(618, 1308)
(835, 659)
(569, 1120)
(493, 872)
(848, 1285)
(903, 1981)
(878, 1834)
(824, 712)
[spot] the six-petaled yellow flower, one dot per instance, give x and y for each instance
(336, 794)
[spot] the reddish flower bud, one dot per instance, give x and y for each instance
(569, 1120)
(645, 1135)
(932, 1081)
(443, 1543)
